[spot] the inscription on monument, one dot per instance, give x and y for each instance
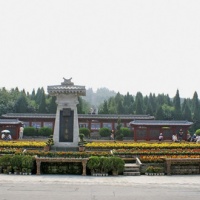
(66, 125)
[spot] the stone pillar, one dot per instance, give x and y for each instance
(66, 129)
(66, 101)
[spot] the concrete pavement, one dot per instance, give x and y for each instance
(95, 188)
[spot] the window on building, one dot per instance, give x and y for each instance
(122, 125)
(107, 125)
(26, 124)
(83, 125)
(95, 126)
(36, 124)
(48, 124)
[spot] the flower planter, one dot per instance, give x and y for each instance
(81, 148)
(154, 174)
(100, 174)
(47, 148)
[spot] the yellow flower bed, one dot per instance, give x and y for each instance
(21, 144)
(141, 145)
(145, 159)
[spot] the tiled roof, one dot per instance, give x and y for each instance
(66, 89)
(114, 116)
(80, 116)
(160, 122)
(28, 115)
(10, 121)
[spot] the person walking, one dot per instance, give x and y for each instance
(21, 131)
(180, 135)
(160, 138)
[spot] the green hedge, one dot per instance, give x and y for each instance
(84, 131)
(104, 132)
(126, 132)
(29, 131)
(44, 131)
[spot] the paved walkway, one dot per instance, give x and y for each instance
(62, 187)
(110, 180)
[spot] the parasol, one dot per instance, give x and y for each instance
(5, 131)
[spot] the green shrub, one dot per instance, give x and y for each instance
(5, 160)
(117, 164)
(45, 131)
(94, 163)
(30, 131)
(154, 169)
(16, 162)
(126, 132)
(27, 162)
(50, 141)
(85, 131)
(104, 132)
(197, 132)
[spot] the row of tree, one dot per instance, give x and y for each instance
(161, 106)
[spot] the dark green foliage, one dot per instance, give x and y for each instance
(45, 131)
(197, 132)
(85, 131)
(52, 106)
(50, 141)
(82, 141)
(104, 132)
(27, 162)
(30, 131)
(94, 163)
(118, 132)
(160, 113)
(102, 164)
(21, 105)
(16, 162)
(42, 102)
(13, 101)
(117, 164)
(126, 132)
(139, 110)
(5, 160)
(177, 107)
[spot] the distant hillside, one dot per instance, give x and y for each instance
(98, 97)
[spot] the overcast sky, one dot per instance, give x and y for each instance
(123, 45)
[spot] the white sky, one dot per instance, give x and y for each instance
(123, 45)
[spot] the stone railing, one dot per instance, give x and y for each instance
(39, 160)
(178, 164)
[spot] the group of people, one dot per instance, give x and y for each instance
(6, 136)
(179, 137)
(194, 138)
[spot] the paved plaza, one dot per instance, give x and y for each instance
(98, 188)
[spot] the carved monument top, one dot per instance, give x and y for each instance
(67, 82)
(66, 87)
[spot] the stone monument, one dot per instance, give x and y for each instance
(66, 130)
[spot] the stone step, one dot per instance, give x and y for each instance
(131, 169)
(132, 165)
(131, 173)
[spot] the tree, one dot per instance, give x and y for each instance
(42, 102)
(139, 104)
(186, 112)
(160, 114)
(52, 106)
(177, 106)
(196, 111)
(118, 132)
(21, 105)
(104, 108)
